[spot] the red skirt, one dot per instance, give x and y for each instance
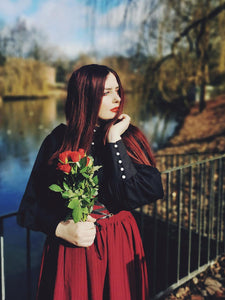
(113, 268)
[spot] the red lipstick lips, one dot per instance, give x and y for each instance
(115, 109)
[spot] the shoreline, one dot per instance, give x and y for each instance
(200, 131)
(54, 91)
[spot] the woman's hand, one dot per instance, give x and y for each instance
(118, 129)
(81, 234)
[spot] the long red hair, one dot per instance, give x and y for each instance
(84, 95)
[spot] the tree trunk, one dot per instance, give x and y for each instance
(202, 97)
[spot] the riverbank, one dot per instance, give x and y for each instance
(58, 91)
(200, 132)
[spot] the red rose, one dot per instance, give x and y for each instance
(63, 157)
(75, 156)
(82, 153)
(66, 168)
(88, 160)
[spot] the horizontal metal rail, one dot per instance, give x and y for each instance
(166, 161)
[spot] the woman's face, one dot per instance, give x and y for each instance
(111, 99)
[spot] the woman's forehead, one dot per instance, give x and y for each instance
(111, 81)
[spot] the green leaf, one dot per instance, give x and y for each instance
(86, 175)
(73, 203)
(77, 213)
(95, 179)
(81, 184)
(67, 194)
(86, 201)
(85, 210)
(65, 185)
(83, 162)
(55, 188)
(83, 170)
(95, 168)
(94, 192)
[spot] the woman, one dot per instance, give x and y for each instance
(81, 260)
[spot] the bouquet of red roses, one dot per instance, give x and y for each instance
(79, 186)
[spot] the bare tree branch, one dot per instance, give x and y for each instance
(210, 16)
(186, 31)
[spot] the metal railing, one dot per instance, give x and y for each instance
(182, 233)
(2, 257)
(167, 161)
(187, 227)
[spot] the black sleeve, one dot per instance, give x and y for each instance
(130, 185)
(40, 208)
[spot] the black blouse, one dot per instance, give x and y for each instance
(123, 184)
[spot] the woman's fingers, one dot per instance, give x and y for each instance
(90, 219)
(119, 128)
(81, 234)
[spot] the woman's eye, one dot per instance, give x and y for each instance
(106, 93)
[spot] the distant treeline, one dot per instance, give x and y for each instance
(24, 77)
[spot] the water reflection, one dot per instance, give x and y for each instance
(24, 124)
(158, 128)
(157, 123)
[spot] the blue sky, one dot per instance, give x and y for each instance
(69, 25)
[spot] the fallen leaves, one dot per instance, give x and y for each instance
(209, 285)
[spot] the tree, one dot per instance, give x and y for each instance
(21, 40)
(185, 33)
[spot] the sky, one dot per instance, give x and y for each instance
(76, 26)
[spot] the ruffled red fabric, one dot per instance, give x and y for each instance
(113, 268)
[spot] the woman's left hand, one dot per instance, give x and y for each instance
(119, 128)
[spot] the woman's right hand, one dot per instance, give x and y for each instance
(81, 234)
(118, 129)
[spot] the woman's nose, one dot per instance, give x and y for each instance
(116, 97)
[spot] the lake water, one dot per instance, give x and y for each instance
(23, 126)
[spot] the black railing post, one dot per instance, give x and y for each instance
(168, 194)
(2, 260)
(204, 218)
(179, 193)
(211, 208)
(28, 262)
(219, 207)
(155, 248)
(200, 215)
(190, 218)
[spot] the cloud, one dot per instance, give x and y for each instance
(119, 29)
(77, 27)
(10, 9)
(65, 23)
(74, 26)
